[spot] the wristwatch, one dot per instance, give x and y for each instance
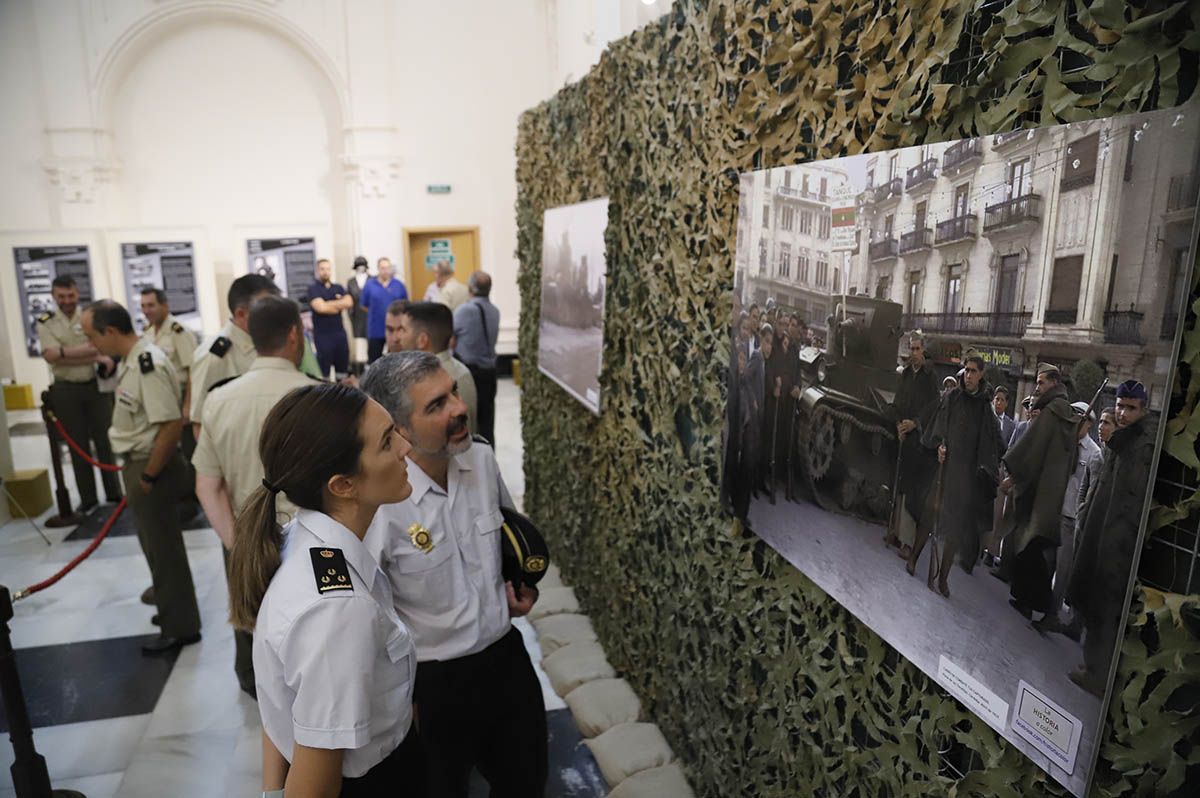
(149, 480)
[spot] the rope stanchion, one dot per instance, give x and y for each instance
(83, 555)
(75, 447)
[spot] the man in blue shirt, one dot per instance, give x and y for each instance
(476, 327)
(377, 295)
(327, 300)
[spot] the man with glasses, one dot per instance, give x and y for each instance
(1111, 521)
(1039, 467)
(966, 436)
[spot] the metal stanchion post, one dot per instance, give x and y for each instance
(29, 774)
(66, 515)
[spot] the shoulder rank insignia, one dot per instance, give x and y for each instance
(481, 439)
(221, 346)
(146, 362)
(330, 571)
(45, 317)
(176, 327)
(420, 538)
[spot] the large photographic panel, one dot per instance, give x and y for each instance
(947, 374)
(36, 269)
(571, 327)
(290, 262)
(169, 266)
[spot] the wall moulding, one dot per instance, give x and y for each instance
(76, 178)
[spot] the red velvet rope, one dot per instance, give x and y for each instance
(83, 555)
(79, 450)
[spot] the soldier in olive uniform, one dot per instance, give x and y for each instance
(168, 334)
(227, 461)
(75, 395)
(145, 431)
(232, 351)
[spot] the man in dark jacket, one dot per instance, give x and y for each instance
(916, 402)
(1039, 466)
(1109, 531)
(966, 435)
(781, 371)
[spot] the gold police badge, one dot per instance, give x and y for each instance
(420, 538)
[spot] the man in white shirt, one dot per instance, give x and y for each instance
(429, 327)
(445, 288)
(477, 695)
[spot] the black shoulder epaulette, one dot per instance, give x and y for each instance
(329, 568)
(146, 362)
(481, 439)
(176, 327)
(219, 383)
(221, 346)
(45, 317)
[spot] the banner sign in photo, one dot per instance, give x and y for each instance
(290, 262)
(36, 269)
(170, 266)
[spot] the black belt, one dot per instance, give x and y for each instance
(92, 381)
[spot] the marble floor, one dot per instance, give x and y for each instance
(202, 736)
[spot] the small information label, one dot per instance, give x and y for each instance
(973, 693)
(1050, 728)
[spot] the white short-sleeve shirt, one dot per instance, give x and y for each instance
(450, 592)
(333, 669)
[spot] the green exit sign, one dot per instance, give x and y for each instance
(438, 189)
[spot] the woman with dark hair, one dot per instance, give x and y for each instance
(333, 664)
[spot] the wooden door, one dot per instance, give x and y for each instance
(424, 246)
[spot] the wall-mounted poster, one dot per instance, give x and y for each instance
(952, 426)
(290, 262)
(166, 265)
(36, 269)
(571, 327)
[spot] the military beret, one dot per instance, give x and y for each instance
(524, 556)
(1048, 368)
(1132, 389)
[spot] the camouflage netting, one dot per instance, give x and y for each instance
(762, 683)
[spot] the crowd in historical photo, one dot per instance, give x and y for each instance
(1048, 499)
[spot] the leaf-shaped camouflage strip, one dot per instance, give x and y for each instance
(763, 685)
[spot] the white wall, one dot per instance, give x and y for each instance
(323, 117)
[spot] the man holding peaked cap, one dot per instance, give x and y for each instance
(477, 695)
(1108, 530)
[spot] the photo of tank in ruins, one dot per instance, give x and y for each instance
(948, 377)
(571, 325)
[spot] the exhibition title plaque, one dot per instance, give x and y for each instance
(36, 269)
(290, 262)
(169, 266)
(571, 327)
(948, 374)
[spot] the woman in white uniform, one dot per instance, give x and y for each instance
(333, 663)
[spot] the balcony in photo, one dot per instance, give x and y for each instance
(916, 240)
(1027, 208)
(791, 192)
(883, 249)
(1123, 326)
(994, 325)
(962, 153)
(923, 174)
(960, 228)
(1169, 323)
(892, 189)
(1181, 193)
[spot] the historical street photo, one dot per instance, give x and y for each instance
(949, 372)
(571, 327)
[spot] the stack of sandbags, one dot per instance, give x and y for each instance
(633, 756)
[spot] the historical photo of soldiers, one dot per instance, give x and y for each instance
(571, 327)
(948, 373)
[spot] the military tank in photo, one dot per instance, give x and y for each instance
(845, 442)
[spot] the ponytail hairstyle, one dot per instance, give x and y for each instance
(310, 436)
